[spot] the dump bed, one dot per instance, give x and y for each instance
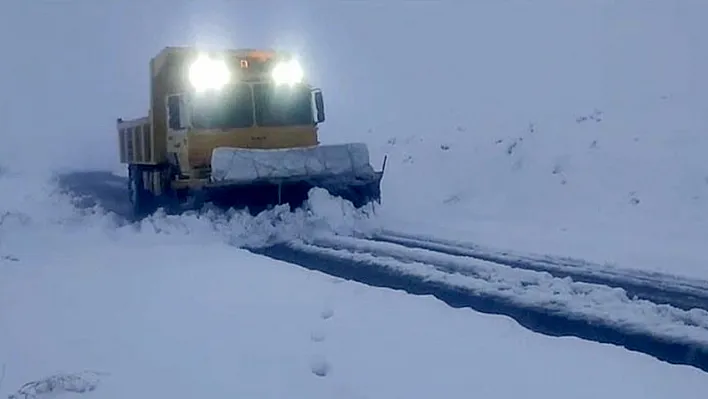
(136, 141)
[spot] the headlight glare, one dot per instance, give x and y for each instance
(288, 72)
(209, 74)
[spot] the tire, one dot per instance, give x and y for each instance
(142, 202)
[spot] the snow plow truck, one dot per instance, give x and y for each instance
(237, 128)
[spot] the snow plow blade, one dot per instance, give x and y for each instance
(260, 178)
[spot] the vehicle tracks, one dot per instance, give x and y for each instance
(538, 300)
(659, 288)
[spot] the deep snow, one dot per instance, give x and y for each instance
(630, 190)
(574, 129)
(168, 308)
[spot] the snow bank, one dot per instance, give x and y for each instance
(33, 204)
(322, 214)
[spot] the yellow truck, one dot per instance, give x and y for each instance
(238, 128)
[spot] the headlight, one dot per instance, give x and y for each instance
(207, 73)
(289, 72)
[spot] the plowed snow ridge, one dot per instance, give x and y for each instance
(549, 263)
(523, 287)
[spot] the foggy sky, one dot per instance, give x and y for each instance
(71, 67)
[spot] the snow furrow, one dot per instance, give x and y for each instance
(524, 288)
(457, 261)
(689, 286)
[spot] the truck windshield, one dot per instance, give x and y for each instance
(283, 105)
(229, 108)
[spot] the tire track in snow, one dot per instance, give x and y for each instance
(537, 300)
(683, 293)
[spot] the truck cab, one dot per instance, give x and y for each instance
(201, 100)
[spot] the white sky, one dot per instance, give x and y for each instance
(71, 67)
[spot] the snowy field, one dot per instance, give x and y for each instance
(630, 190)
(577, 129)
(566, 129)
(171, 310)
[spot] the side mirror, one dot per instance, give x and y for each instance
(319, 106)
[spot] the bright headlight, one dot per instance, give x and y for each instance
(207, 73)
(289, 72)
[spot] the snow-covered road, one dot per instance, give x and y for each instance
(661, 315)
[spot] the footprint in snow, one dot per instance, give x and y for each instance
(320, 366)
(327, 313)
(317, 336)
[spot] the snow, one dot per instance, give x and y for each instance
(630, 190)
(166, 308)
(527, 288)
(246, 164)
(573, 129)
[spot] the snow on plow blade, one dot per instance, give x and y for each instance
(258, 178)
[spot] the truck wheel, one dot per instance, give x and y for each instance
(142, 201)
